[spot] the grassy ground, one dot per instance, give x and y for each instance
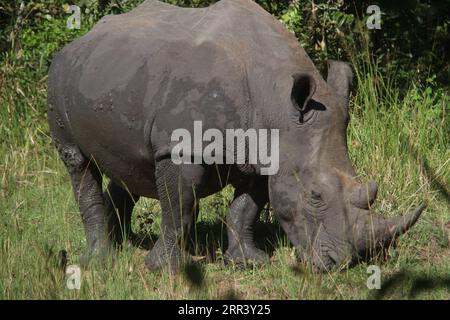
(399, 139)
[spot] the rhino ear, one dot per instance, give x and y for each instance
(340, 77)
(303, 89)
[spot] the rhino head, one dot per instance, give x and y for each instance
(316, 195)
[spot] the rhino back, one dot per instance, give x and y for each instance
(121, 89)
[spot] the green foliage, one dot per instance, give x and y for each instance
(413, 41)
(39, 43)
(320, 26)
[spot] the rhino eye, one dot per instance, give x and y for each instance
(316, 195)
(316, 198)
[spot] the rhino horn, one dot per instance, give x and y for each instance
(364, 196)
(387, 230)
(399, 225)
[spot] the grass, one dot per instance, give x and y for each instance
(399, 139)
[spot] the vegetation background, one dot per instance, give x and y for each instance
(399, 135)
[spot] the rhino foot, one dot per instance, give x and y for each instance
(245, 256)
(103, 255)
(166, 257)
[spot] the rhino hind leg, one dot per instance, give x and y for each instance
(86, 181)
(119, 204)
(249, 200)
(177, 185)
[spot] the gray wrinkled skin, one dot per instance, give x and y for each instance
(117, 93)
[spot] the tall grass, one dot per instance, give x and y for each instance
(400, 138)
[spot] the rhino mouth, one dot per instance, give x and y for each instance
(331, 255)
(325, 263)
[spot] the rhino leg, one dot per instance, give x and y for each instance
(177, 185)
(249, 200)
(87, 185)
(119, 207)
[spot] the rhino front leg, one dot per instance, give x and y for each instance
(249, 200)
(177, 185)
(119, 208)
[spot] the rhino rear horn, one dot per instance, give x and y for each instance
(364, 196)
(340, 77)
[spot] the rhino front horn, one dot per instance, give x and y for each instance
(399, 225)
(365, 195)
(387, 230)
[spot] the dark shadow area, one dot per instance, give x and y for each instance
(416, 42)
(429, 172)
(195, 275)
(425, 284)
(207, 237)
(436, 183)
(419, 284)
(388, 285)
(143, 241)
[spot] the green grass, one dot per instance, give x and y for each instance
(399, 139)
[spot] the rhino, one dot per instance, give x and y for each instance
(116, 95)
